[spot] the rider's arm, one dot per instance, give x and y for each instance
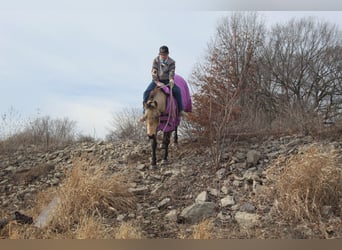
(172, 69)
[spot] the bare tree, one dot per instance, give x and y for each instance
(226, 79)
(126, 125)
(302, 62)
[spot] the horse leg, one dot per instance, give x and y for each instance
(154, 147)
(166, 142)
(175, 138)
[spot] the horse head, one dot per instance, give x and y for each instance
(152, 115)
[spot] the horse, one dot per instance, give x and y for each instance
(161, 114)
(158, 119)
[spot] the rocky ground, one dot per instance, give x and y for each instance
(174, 196)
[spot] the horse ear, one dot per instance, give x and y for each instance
(156, 104)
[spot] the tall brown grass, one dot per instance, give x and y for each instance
(204, 230)
(128, 231)
(307, 182)
(90, 198)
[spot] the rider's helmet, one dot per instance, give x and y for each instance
(164, 50)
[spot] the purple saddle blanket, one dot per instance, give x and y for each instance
(185, 93)
(169, 120)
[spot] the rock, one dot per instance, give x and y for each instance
(326, 210)
(47, 214)
(172, 215)
(173, 172)
(54, 181)
(253, 157)
(251, 175)
(237, 166)
(202, 197)
(141, 167)
(240, 156)
(138, 190)
(237, 183)
(235, 207)
(220, 173)
(131, 215)
(223, 217)
(10, 169)
(163, 203)
(154, 211)
(224, 190)
(121, 217)
(257, 188)
(4, 181)
(246, 220)
(227, 201)
(197, 212)
(214, 192)
(247, 207)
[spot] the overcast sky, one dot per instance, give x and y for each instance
(86, 64)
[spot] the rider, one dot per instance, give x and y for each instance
(163, 70)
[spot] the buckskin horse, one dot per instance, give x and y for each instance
(161, 114)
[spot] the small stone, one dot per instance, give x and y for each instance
(251, 175)
(54, 181)
(235, 207)
(163, 203)
(214, 192)
(141, 167)
(236, 183)
(10, 169)
(227, 201)
(139, 190)
(198, 211)
(220, 173)
(253, 157)
(238, 166)
(326, 210)
(202, 197)
(131, 216)
(121, 217)
(224, 190)
(172, 215)
(154, 211)
(246, 220)
(223, 217)
(240, 156)
(247, 207)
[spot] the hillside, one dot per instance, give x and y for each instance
(276, 188)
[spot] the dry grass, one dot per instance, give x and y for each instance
(90, 227)
(90, 198)
(88, 191)
(201, 231)
(128, 230)
(308, 182)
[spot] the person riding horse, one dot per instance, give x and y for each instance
(163, 71)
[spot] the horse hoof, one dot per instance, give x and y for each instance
(164, 162)
(153, 166)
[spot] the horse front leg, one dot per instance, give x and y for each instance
(154, 148)
(175, 138)
(166, 143)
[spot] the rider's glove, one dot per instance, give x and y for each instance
(172, 83)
